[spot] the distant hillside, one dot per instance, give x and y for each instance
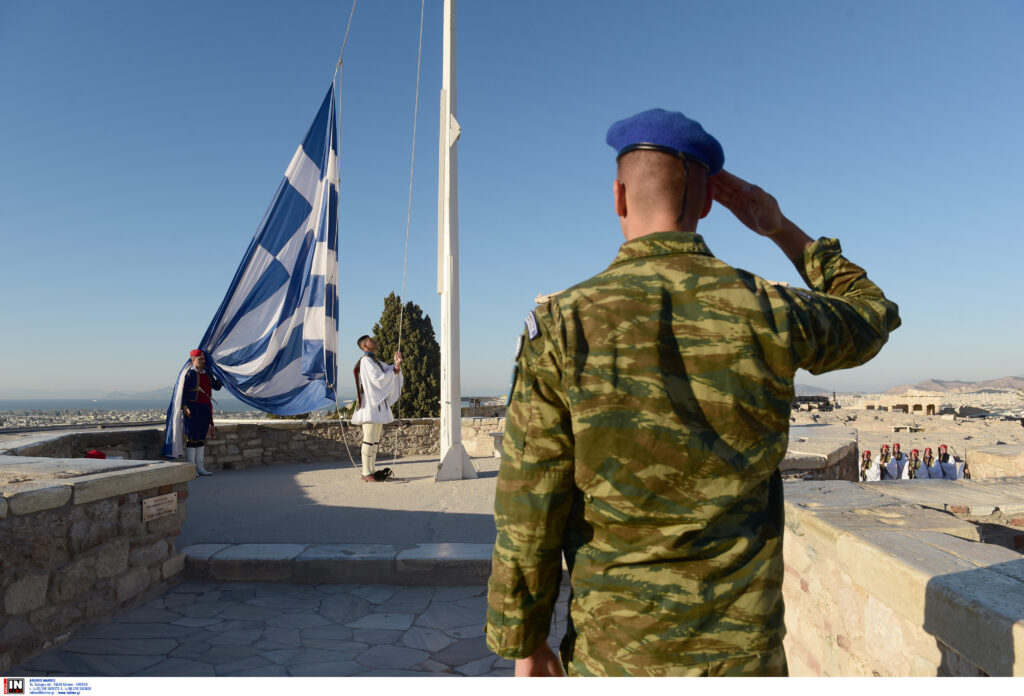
(955, 385)
(807, 390)
(899, 389)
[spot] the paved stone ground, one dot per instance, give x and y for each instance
(269, 629)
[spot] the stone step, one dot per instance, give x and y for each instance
(423, 564)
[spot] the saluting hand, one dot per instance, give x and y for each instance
(758, 210)
(752, 205)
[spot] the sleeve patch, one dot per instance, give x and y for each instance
(531, 326)
(519, 347)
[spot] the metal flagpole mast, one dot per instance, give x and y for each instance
(454, 460)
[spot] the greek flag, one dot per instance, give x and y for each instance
(273, 341)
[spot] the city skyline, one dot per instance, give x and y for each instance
(143, 142)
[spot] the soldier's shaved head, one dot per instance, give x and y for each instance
(657, 185)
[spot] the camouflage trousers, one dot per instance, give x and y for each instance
(771, 664)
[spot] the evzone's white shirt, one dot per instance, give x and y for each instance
(881, 466)
(381, 388)
(893, 467)
(953, 469)
(874, 473)
(934, 471)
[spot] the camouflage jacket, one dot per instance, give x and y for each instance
(642, 440)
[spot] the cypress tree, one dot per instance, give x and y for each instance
(421, 357)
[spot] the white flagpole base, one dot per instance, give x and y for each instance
(456, 465)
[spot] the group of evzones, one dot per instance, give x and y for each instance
(896, 465)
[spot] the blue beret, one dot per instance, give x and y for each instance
(666, 131)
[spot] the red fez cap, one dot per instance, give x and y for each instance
(885, 446)
(895, 444)
(913, 451)
(942, 447)
(194, 353)
(867, 452)
(95, 454)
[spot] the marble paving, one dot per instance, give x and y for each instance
(269, 629)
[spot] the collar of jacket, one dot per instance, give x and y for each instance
(661, 244)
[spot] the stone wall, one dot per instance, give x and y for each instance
(74, 547)
(821, 453)
(139, 445)
(996, 461)
(877, 586)
(240, 445)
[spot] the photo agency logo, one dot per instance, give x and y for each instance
(14, 685)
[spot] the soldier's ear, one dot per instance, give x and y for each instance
(709, 198)
(619, 194)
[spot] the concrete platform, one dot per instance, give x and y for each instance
(320, 523)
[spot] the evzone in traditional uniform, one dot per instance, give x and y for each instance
(915, 468)
(378, 386)
(197, 409)
(870, 470)
(951, 468)
(931, 464)
(897, 466)
(882, 462)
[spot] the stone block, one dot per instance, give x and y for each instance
(55, 620)
(74, 579)
(229, 458)
(814, 495)
(26, 498)
(260, 552)
(102, 509)
(171, 524)
(115, 483)
(78, 536)
(997, 461)
(252, 453)
(148, 554)
(897, 518)
(447, 564)
(131, 584)
(284, 425)
(49, 551)
(13, 630)
(26, 593)
(173, 566)
(203, 552)
(3, 508)
(99, 605)
(99, 532)
(130, 518)
(978, 613)
(112, 558)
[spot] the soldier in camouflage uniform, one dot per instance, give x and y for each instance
(648, 416)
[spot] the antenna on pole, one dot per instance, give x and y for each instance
(454, 460)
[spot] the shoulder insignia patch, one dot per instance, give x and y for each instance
(531, 326)
(519, 347)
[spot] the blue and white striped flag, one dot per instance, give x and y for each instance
(273, 342)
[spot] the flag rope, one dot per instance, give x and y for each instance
(337, 91)
(408, 216)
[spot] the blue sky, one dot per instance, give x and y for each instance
(140, 143)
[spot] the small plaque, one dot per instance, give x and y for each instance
(159, 506)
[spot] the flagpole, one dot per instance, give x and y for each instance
(454, 460)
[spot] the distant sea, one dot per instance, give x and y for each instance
(230, 405)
